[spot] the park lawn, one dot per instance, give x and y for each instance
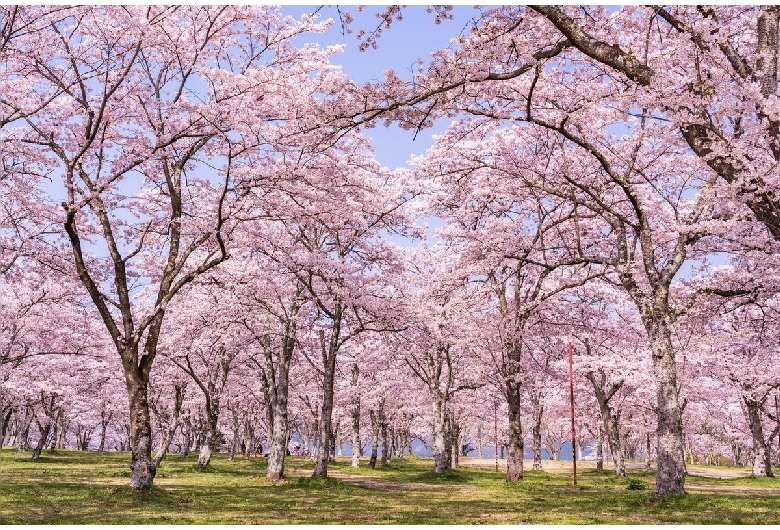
(70, 487)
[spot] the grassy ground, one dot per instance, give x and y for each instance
(70, 487)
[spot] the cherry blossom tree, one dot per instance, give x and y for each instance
(139, 128)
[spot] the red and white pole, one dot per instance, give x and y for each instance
(573, 432)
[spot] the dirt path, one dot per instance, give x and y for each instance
(378, 484)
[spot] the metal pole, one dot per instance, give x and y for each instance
(573, 433)
(495, 430)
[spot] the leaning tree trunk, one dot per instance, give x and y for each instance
(762, 465)
(515, 443)
(167, 432)
(44, 429)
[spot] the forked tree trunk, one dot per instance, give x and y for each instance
(44, 429)
(329, 352)
(612, 431)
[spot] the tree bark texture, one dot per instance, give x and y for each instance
(670, 477)
(514, 462)
(762, 466)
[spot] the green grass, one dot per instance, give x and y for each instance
(71, 487)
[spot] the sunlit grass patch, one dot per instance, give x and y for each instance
(70, 487)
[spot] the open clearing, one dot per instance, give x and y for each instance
(76, 488)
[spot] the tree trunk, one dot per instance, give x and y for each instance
(277, 442)
(140, 441)
(55, 435)
(249, 437)
(356, 448)
(236, 435)
(647, 450)
(762, 466)
(600, 449)
(103, 426)
(455, 439)
(374, 438)
(167, 432)
(329, 351)
(536, 430)
(44, 429)
(440, 460)
(612, 430)
(670, 477)
(515, 442)
(383, 433)
(187, 437)
(207, 447)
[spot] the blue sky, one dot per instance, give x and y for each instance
(399, 47)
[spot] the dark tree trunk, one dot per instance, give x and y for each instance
(140, 442)
(382, 418)
(600, 449)
(762, 466)
(234, 443)
(536, 428)
(168, 429)
(103, 426)
(355, 413)
(329, 351)
(647, 450)
(515, 442)
(609, 417)
(374, 438)
(44, 429)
